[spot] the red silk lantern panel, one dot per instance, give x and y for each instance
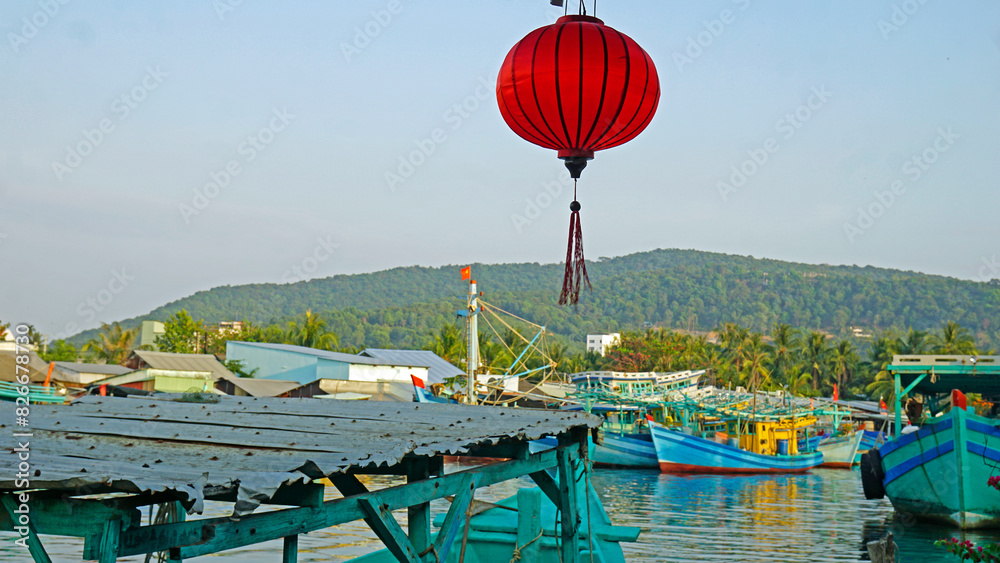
(577, 86)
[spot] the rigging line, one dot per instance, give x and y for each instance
(510, 328)
(488, 323)
(530, 347)
(511, 314)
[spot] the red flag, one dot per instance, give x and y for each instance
(836, 395)
(466, 273)
(958, 399)
(882, 405)
(417, 382)
(104, 390)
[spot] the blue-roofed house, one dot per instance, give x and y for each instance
(307, 365)
(438, 369)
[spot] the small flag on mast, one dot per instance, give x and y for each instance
(466, 273)
(836, 395)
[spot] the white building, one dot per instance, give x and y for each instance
(601, 342)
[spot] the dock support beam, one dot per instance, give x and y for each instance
(290, 553)
(529, 525)
(568, 506)
(418, 516)
(35, 547)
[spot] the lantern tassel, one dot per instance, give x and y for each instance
(575, 276)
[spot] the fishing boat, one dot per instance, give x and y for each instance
(840, 451)
(769, 448)
(938, 469)
(722, 431)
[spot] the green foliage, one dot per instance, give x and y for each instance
(113, 344)
(310, 332)
(674, 289)
(239, 368)
(60, 351)
(180, 334)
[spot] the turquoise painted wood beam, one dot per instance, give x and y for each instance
(387, 529)
(110, 542)
(568, 506)
(72, 517)
(35, 547)
(455, 518)
(897, 430)
(529, 525)
(547, 485)
(212, 535)
(916, 381)
(418, 516)
(290, 550)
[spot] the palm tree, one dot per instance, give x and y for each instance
(843, 361)
(915, 342)
(954, 339)
(786, 341)
(815, 352)
(797, 384)
(449, 344)
(113, 344)
(880, 356)
(311, 333)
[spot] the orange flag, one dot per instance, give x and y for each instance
(836, 395)
(466, 273)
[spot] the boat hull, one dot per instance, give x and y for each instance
(626, 450)
(940, 472)
(681, 453)
(840, 452)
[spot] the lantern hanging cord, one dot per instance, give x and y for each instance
(575, 275)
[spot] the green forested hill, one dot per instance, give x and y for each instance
(672, 288)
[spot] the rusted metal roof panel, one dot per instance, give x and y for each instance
(252, 445)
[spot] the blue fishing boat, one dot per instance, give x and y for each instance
(937, 469)
(678, 452)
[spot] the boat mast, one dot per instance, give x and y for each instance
(472, 346)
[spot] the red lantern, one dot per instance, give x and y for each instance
(577, 86)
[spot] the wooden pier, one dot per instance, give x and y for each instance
(94, 463)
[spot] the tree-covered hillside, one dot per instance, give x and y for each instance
(684, 289)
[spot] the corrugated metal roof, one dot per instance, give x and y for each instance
(185, 362)
(37, 367)
(252, 445)
(438, 369)
(325, 354)
(264, 387)
(102, 369)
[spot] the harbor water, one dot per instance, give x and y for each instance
(820, 516)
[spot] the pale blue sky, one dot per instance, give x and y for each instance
(338, 112)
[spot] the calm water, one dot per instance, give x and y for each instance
(817, 517)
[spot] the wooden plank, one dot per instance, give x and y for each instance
(35, 547)
(568, 505)
(71, 517)
(290, 551)
(529, 525)
(387, 529)
(418, 516)
(109, 546)
(455, 517)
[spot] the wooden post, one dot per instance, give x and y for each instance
(568, 505)
(290, 553)
(529, 524)
(897, 431)
(108, 551)
(35, 547)
(419, 515)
